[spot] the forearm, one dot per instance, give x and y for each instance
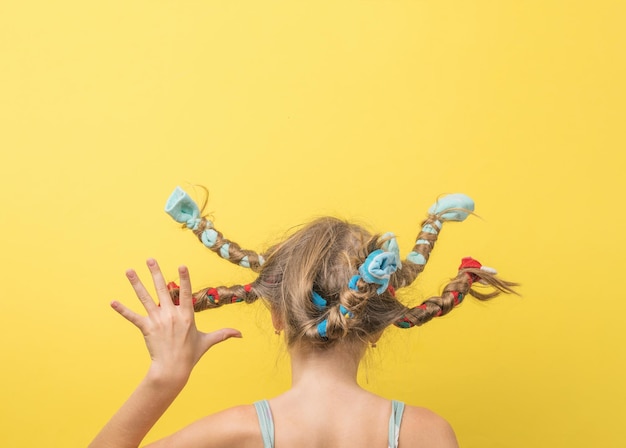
(175, 346)
(130, 424)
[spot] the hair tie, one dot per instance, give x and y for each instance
(453, 207)
(174, 291)
(377, 269)
(352, 284)
(391, 245)
(184, 210)
(213, 296)
(318, 300)
(458, 296)
(470, 263)
(321, 303)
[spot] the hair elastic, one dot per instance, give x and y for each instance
(321, 303)
(466, 263)
(453, 207)
(379, 265)
(184, 210)
(172, 286)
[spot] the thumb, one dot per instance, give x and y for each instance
(217, 336)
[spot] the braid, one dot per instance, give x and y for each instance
(333, 281)
(334, 323)
(215, 297)
(185, 211)
(360, 306)
(453, 294)
(454, 207)
(356, 283)
(228, 250)
(416, 260)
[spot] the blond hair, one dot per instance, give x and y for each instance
(322, 257)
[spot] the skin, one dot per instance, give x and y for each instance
(325, 407)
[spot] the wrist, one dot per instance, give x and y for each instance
(167, 378)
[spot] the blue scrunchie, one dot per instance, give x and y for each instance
(378, 267)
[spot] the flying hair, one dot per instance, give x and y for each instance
(334, 281)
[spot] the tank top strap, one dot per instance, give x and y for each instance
(397, 409)
(266, 423)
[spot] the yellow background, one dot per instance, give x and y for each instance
(287, 110)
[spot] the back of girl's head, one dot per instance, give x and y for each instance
(321, 258)
(332, 282)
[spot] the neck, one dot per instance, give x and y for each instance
(314, 369)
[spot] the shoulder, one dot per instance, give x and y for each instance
(236, 426)
(423, 427)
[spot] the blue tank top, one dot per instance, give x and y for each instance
(267, 423)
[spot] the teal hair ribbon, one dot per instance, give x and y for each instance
(416, 258)
(391, 245)
(183, 209)
(245, 261)
(352, 284)
(224, 251)
(321, 329)
(453, 207)
(378, 267)
(321, 303)
(345, 312)
(209, 237)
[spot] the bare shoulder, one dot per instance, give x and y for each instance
(424, 428)
(236, 426)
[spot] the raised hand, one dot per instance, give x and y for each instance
(173, 341)
(175, 346)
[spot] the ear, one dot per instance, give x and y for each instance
(277, 321)
(376, 337)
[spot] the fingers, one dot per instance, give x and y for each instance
(159, 283)
(185, 297)
(127, 314)
(162, 290)
(218, 336)
(140, 291)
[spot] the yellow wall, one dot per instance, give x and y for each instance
(291, 109)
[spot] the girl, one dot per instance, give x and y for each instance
(330, 288)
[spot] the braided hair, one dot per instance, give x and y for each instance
(332, 280)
